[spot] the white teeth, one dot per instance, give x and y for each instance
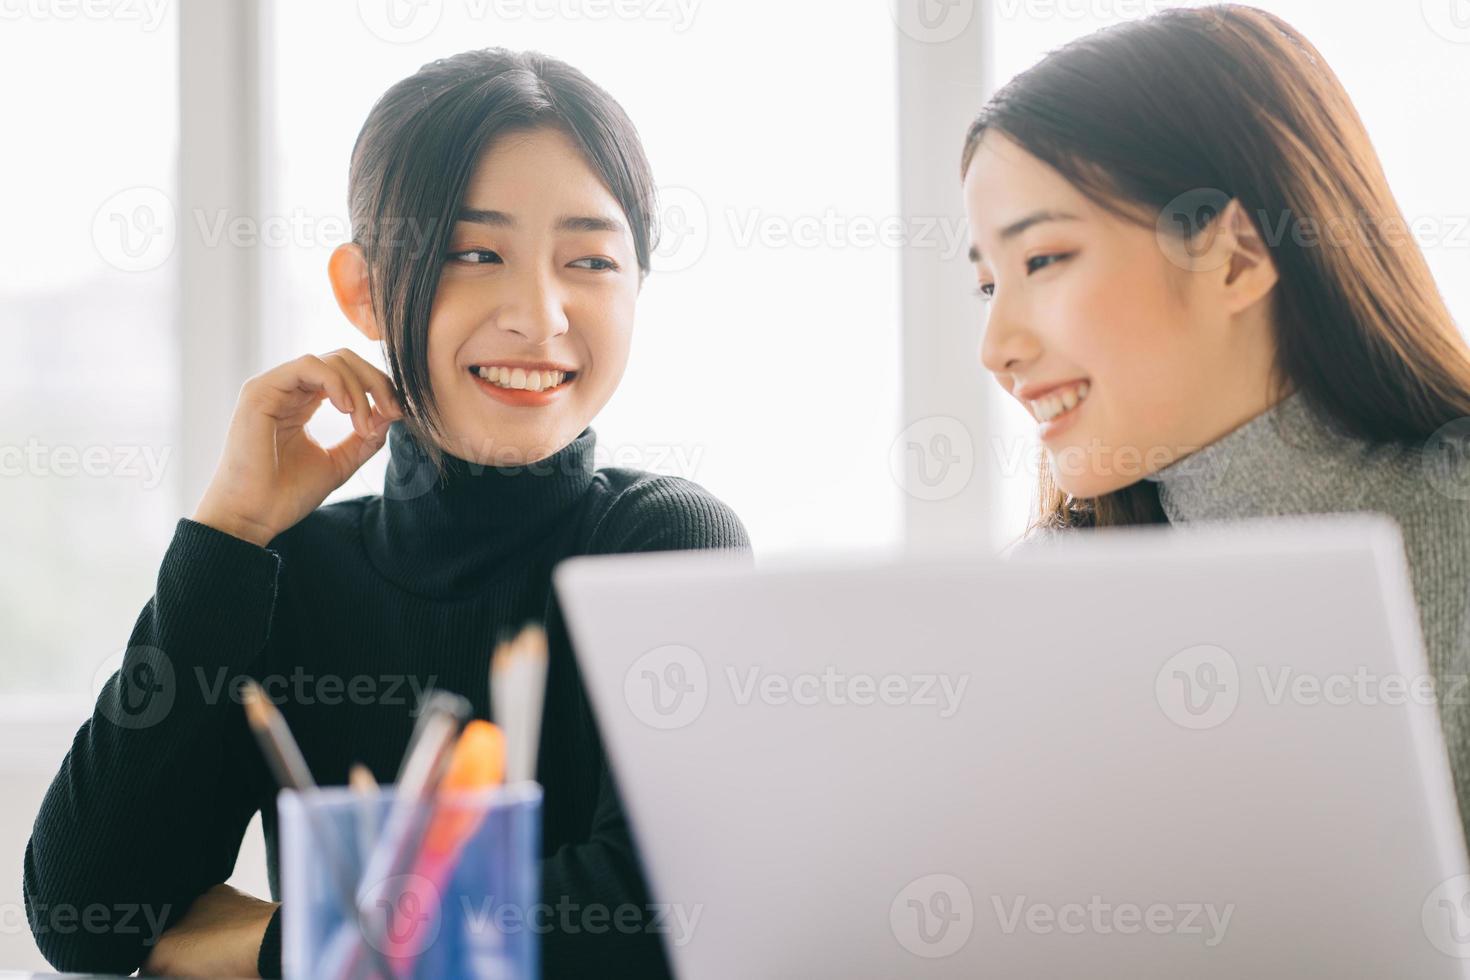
(521, 379)
(1050, 406)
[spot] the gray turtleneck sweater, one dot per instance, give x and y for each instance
(1288, 461)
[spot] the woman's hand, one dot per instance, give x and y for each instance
(272, 473)
(219, 936)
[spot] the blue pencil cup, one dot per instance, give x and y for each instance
(459, 903)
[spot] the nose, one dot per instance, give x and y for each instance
(534, 309)
(1006, 344)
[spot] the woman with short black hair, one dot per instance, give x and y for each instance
(502, 224)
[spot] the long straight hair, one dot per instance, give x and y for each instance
(1153, 118)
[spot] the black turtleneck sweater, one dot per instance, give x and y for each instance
(345, 618)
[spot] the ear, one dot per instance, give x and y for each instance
(348, 271)
(1248, 273)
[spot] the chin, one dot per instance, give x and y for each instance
(489, 442)
(1084, 476)
(533, 441)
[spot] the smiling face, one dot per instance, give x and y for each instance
(533, 318)
(1127, 359)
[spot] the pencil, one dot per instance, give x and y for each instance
(517, 694)
(286, 761)
(365, 787)
(441, 715)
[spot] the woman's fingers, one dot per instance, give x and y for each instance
(374, 380)
(361, 407)
(343, 376)
(348, 455)
(279, 390)
(272, 473)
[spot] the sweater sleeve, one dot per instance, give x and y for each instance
(600, 879)
(152, 801)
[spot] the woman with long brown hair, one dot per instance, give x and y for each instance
(1201, 287)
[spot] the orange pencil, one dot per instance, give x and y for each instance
(477, 763)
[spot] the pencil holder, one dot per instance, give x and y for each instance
(443, 890)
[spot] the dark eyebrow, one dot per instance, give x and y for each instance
(497, 218)
(1016, 227)
(589, 224)
(500, 219)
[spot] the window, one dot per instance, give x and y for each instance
(88, 380)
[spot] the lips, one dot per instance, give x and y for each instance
(523, 377)
(1057, 401)
(521, 387)
(1056, 411)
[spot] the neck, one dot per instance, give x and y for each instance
(1287, 459)
(447, 534)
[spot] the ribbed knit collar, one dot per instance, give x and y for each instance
(448, 537)
(1287, 460)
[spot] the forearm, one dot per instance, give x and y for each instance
(149, 805)
(220, 936)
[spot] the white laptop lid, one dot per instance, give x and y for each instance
(1135, 754)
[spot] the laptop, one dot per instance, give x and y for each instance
(1137, 753)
